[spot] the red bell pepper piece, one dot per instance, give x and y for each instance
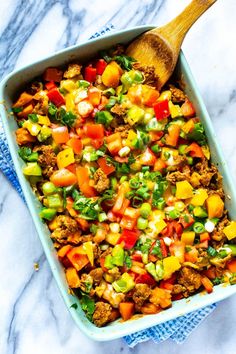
(186, 220)
(90, 73)
(187, 109)
(161, 109)
(163, 248)
(129, 238)
(172, 228)
(173, 135)
(195, 150)
(136, 257)
(102, 262)
(97, 143)
(76, 145)
(231, 265)
(55, 97)
(94, 131)
(53, 74)
(100, 66)
(105, 166)
(50, 85)
(145, 279)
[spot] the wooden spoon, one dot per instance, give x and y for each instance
(160, 47)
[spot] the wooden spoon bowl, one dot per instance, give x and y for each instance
(160, 47)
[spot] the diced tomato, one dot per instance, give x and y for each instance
(145, 279)
(60, 135)
(187, 109)
(203, 244)
(161, 109)
(172, 228)
(76, 145)
(72, 168)
(90, 73)
(129, 238)
(156, 135)
(53, 74)
(207, 284)
(166, 284)
(102, 262)
(105, 166)
(135, 94)
(118, 207)
(63, 178)
(114, 143)
(173, 135)
(56, 97)
(94, 96)
(159, 165)
(94, 131)
(83, 182)
(78, 258)
(191, 255)
(204, 237)
(149, 95)
(210, 273)
(128, 223)
(147, 158)
(132, 213)
(195, 150)
(50, 85)
(100, 66)
(231, 265)
(83, 224)
(126, 310)
(97, 143)
(177, 249)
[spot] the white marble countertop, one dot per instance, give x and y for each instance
(33, 316)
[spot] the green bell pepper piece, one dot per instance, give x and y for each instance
(118, 256)
(124, 284)
(55, 201)
(44, 134)
(47, 213)
(199, 212)
(103, 117)
(233, 249)
(108, 262)
(135, 115)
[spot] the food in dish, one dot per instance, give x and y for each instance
(134, 205)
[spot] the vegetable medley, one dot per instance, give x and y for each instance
(128, 190)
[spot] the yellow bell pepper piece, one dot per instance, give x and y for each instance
(175, 110)
(44, 120)
(68, 85)
(33, 128)
(199, 198)
(188, 237)
(170, 264)
(184, 190)
(88, 248)
(167, 153)
(112, 238)
(206, 151)
(230, 230)
(157, 226)
(70, 102)
(165, 95)
(131, 136)
(65, 158)
(215, 206)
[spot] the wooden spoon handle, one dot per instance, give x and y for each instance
(176, 30)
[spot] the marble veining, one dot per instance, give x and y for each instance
(33, 316)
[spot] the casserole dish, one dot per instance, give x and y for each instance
(8, 90)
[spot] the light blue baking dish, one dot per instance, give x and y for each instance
(8, 90)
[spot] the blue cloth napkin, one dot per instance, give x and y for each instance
(178, 329)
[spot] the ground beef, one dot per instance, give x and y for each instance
(118, 110)
(102, 313)
(190, 279)
(178, 289)
(124, 130)
(218, 234)
(66, 227)
(207, 173)
(96, 274)
(177, 95)
(72, 71)
(177, 176)
(141, 294)
(86, 282)
(42, 103)
(35, 87)
(115, 273)
(101, 181)
(47, 159)
(150, 77)
(118, 50)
